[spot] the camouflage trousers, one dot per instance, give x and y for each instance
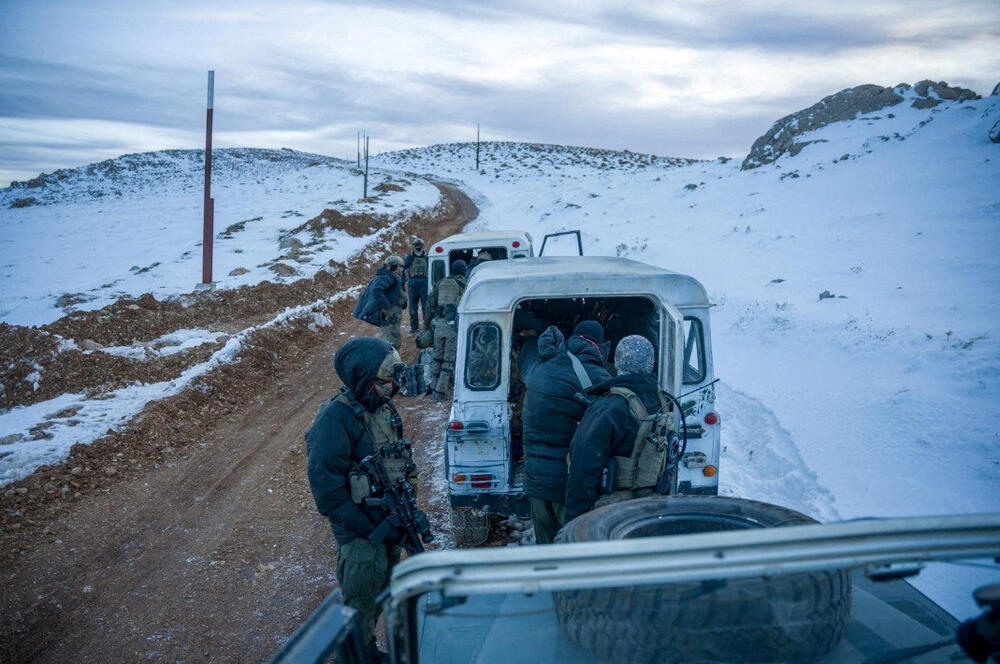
(547, 518)
(390, 327)
(445, 348)
(363, 571)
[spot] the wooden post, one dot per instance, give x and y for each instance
(477, 146)
(208, 231)
(359, 149)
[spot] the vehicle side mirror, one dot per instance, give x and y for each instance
(330, 630)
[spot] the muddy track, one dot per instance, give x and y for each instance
(208, 549)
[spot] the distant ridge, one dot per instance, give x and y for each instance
(846, 105)
(132, 172)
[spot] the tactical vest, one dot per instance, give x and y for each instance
(643, 468)
(449, 292)
(384, 427)
(418, 268)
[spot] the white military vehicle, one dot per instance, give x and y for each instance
(483, 434)
(466, 246)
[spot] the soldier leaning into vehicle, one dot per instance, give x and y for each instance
(415, 274)
(551, 410)
(443, 302)
(354, 424)
(609, 429)
(387, 290)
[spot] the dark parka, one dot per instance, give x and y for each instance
(551, 410)
(338, 439)
(607, 429)
(381, 295)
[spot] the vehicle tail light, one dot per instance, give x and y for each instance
(438, 250)
(515, 244)
(709, 471)
(458, 478)
(711, 418)
(455, 425)
(482, 481)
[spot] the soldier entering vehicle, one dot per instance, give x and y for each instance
(611, 457)
(555, 373)
(443, 302)
(415, 274)
(387, 292)
(356, 423)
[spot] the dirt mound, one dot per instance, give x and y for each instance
(355, 225)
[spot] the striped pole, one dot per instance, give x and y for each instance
(209, 232)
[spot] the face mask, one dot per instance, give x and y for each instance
(384, 389)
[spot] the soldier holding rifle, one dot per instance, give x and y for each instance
(357, 435)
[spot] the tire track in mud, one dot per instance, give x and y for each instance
(218, 554)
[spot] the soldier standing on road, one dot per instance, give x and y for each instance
(387, 290)
(415, 273)
(443, 302)
(554, 371)
(354, 424)
(609, 427)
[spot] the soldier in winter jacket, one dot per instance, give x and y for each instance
(550, 414)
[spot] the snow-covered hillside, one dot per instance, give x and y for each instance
(857, 327)
(84, 237)
(857, 331)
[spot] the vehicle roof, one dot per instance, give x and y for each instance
(498, 285)
(483, 237)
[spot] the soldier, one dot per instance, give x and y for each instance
(415, 273)
(358, 421)
(387, 292)
(443, 302)
(554, 372)
(481, 257)
(609, 429)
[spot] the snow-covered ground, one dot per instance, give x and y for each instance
(133, 225)
(877, 401)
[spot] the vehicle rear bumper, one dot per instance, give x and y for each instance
(513, 504)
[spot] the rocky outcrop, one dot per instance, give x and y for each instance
(782, 137)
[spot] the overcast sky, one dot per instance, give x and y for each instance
(86, 81)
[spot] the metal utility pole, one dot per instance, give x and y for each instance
(209, 222)
(477, 146)
(359, 149)
(366, 167)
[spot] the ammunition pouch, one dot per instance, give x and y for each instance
(361, 486)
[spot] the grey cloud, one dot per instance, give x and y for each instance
(33, 88)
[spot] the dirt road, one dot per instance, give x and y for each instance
(209, 547)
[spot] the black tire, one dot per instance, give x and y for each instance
(791, 618)
(469, 527)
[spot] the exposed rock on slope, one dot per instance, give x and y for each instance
(845, 105)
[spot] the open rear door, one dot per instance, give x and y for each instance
(563, 246)
(671, 351)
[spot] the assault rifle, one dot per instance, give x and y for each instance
(396, 498)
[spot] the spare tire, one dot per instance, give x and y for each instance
(790, 618)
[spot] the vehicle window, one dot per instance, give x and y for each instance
(694, 351)
(482, 357)
(437, 272)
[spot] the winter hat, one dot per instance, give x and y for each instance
(590, 329)
(634, 355)
(458, 267)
